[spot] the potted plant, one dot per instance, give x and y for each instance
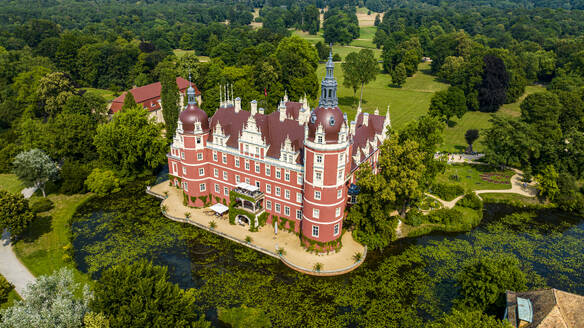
(248, 239)
(317, 267)
(212, 224)
(188, 215)
(357, 257)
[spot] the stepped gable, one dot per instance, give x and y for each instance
(273, 131)
(366, 133)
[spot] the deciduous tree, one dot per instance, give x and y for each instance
(140, 295)
(129, 101)
(359, 69)
(15, 214)
(448, 103)
(475, 319)
(130, 143)
(169, 98)
(548, 183)
(471, 136)
(493, 89)
(398, 75)
(35, 169)
(102, 182)
(298, 60)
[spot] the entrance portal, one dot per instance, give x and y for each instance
(242, 220)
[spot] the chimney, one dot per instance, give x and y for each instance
(366, 119)
(261, 110)
(237, 104)
(254, 107)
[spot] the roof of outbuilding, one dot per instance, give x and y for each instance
(552, 308)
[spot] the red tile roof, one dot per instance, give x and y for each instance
(149, 95)
(365, 133)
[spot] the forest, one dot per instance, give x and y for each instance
(59, 59)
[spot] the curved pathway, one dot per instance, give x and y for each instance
(11, 268)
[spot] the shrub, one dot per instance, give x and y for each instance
(281, 251)
(102, 182)
(39, 205)
(444, 216)
(337, 57)
(471, 200)
(73, 175)
(447, 191)
(5, 289)
(187, 215)
(317, 266)
(414, 217)
(212, 224)
(357, 256)
(248, 239)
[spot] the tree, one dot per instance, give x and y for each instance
(50, 302)
(95, 320)
(130, 142)
(448, 103)
(398, 75)
(508, 142)
(298, 60)
(483, 282)
(548, 182)
(493, 88)
(471, 136)
(359, 69)
(322, 50)
(129, 101)
(338, 27)
(5, 289)
(169, 98)
(15, 213)
(102, 182)
(54, 90)
(140, 295)
(475, 319)
(243, 316)
(35, 169)
(377, 20)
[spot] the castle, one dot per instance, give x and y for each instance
(294, 165)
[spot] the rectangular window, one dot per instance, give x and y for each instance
(315, 213)
(202, 187)
(299, 197)
(257, 184)
(224, 159)
(216, 173)
(299, 214)
(278, 174)
(337, 212)
(247, 180)
(299, 179)
(182, 154)
(237, 180)
(184, 170)
(278, 193)
(247, 148)
(269, 204)
(339, 193)
(199, 156)
(317, 195)
(201, 172)
(287, 175)
(225, 191)
(247, 165)
(174, 168)
(216, 188)
(215, 156)
(277, 208)
(286, 210)
(236, 161)
(198, 140)
(186, 186)
(336, 228)
(287, 194)
(314, 231)
(268, 189)
(257, 167)
(268, 170)
(318, 159)
(340, 176)
(317, 176)
(257, 149)
(341, 159)
(319, 139)
(225, 177)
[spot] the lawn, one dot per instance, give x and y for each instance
(343, 51)
(454, 135)
(469, 177)
(10, 183)
(12, 297)
(179, 52)
(41, 248)
(108, 95)
(406, 103)
(510, 198)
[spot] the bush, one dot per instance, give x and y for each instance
(414, 217)
(447, 191)
(5, 289)
(103, 182)
(73, 175)
(39, 205)
(337, 57)
(471, 200)
(444, 216)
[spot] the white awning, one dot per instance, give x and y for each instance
(247, 186)
(219, 208)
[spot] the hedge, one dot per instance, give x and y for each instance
(446, 191)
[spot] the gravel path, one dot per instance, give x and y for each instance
(11, 268)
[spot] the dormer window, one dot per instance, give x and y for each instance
(332, 121)
(319, 139)
(313, 118)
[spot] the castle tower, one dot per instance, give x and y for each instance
(327, 151)
(188, 146)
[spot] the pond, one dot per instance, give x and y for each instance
(413, 277)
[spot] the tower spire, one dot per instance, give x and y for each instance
(328, 86)
(191, 96)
